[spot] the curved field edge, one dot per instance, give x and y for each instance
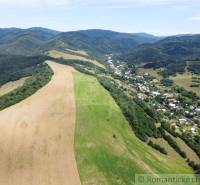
(107, 151)
(67, 56)
(12, 85)
(40, 78)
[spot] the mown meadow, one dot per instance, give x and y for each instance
(107, 151)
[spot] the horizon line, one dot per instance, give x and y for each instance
(76, 30)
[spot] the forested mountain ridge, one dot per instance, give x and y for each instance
(178, 47)
(24, 41)
(171, 53)
(10, 34)
(14, 67)
(99, 42)
(35, 41)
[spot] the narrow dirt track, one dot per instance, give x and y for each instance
(37, 135)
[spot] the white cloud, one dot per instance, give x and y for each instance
(35, 2)
(144, 2)
(85, 3)
(138, 2)
(195, 18)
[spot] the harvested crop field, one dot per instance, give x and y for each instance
(10, 86)
(59, 54)
(37, 135)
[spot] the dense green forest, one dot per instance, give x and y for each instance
(194, 66)
(41, 75)
(172, 53)
(13, 67)
(35, 41)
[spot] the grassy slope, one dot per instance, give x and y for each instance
(151, 71)
(185, 80)
(67, 56)
(102, 158)
(190, 153)
(81, 52)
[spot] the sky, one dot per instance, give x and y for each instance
(158, 17)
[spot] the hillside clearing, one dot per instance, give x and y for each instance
(152, 72)
(189, 152)
(59, 54)
(80, 52)
(107, 151)
(185, 80)
(10, 86)
(37, 141)
(170, 151)
(173, 154)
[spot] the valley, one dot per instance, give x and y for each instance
(96, 107)
(176, 109)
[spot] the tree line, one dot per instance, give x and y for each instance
(42, 75)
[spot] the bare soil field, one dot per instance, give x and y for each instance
(10, 86)
(37, 135)
(59, 54)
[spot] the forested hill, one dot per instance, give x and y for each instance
(171, 52)
(35, 41)
(24, 41)
(14, 67)
(103, 41)
(176, 47)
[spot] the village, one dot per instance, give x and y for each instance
(182, 112)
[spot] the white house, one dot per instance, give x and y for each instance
(182, 121)
(193, 130)
(172, 105)
(154, 93)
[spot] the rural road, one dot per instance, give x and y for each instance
(37, 135)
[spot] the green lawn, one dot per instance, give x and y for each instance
(107, 151)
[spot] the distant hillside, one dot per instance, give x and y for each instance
(14, 67)
(24, 41)
(171, 52)
(98, 42)
(95, 42)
